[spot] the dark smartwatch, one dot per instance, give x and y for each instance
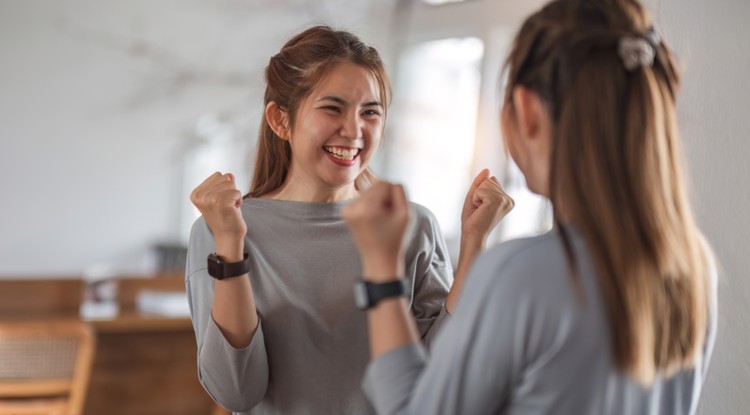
(367, 294)
(220, 270)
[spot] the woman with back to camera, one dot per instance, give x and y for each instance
(277, 328)
(611, 312)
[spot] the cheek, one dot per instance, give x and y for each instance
(374, 136)
(509, 135)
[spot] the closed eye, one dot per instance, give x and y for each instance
(371, 112)
(331, 108)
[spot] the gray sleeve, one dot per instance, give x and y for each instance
(235, 378)
(713, 310)
(472, 368)
(432, 275)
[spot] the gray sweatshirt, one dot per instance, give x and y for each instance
(311, 349)
(520, 342)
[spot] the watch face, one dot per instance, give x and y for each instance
(214, 267)
(360, 296)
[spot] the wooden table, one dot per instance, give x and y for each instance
(143, 364)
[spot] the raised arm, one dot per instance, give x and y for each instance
(455, 379)
(378, 221)
(233, 310)
(232, 360)
(486, 203)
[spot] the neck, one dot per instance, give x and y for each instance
(303, 192)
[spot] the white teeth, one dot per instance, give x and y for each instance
(342, 153)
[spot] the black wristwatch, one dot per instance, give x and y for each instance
(367, 294)
(220, 270)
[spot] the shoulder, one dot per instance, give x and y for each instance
(424, 221)
(200, 245)
(521, 253)
(200, 232)
(424, 227)
(425, 239)
(533, 269)
(422, 214)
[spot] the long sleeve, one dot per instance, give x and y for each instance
(235, 378)
(473, 362)
(432, 274)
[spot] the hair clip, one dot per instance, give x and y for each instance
(653, 36)
(635, 51)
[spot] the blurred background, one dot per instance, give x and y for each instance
(112, 112)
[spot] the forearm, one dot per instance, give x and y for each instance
(234, 311)
(390, 322)
(471, 247)
(391, 326)
(233, 307)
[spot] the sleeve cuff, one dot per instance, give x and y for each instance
(389, 380)
(236, 378)
(215, 338)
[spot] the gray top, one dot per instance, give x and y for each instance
(311, 348)
(520, 342)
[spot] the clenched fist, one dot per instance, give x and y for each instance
(378, 221)
(485, 205)
(218, 200)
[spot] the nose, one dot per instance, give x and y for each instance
(351, 126)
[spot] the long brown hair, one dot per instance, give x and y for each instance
(291, 75)
(616, 175)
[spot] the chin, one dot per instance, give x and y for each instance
(537, 189)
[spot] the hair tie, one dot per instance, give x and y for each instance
(636, 51)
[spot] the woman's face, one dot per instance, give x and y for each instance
(337, 129)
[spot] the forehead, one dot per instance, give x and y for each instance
(352, 82)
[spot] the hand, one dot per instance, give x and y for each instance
(218, 200)
(378, 220)
(485, 205)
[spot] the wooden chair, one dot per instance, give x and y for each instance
(44, 367)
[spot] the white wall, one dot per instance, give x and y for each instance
(97, 103)
(712, 38)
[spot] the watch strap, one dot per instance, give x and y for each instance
(381, 291)
(220, 270)
(368, 294)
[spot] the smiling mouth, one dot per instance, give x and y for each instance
(342, 153)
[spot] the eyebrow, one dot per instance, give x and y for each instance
(341, 101)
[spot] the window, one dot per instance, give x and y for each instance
(444, 127)
(435, 115)
(213, 148)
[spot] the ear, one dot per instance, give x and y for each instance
(278, 119)
(531, 114)
(534, 138)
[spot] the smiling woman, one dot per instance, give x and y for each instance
(277, 326)
(336, 133)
